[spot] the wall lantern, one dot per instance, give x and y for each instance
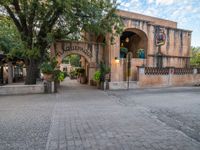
(116, 60)
(127, 40)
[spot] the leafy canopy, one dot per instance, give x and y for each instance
(195, 59)
(40, 22)
(74, 60)
(10, 42)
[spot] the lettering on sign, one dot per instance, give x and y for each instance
(85, 50)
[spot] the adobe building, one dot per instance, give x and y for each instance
(150, 52)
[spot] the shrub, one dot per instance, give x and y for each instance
(80, 71)
(97, 76)
(73, 74)
(46, 68)
(59, 75)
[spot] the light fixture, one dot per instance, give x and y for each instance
(127, 40)
(116, 60)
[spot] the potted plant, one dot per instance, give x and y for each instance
(105, 74)
(47, 70)
(96, 77)
(58, 77)
(141, 53)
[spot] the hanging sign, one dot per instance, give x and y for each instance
(160, 37)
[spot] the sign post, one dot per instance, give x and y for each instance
(129, 56)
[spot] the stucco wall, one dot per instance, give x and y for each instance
(21, 89)
(176, 50)
(163, 80)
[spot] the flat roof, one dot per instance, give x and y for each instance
(151, 19)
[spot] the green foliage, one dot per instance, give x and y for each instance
(10, 42)
(65, 74)
(97, 76)
(101, 73)
(80, 71)
(103, 70)
(195, 59)
(74, 60)
(73, 74)
(59, 75)
(141, 53)
(38, 23)
(124, 50)
(49, 67)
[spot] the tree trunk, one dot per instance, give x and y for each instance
(32, 72)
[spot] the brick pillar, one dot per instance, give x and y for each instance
(171, 73)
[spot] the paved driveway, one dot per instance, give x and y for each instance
(83, 118)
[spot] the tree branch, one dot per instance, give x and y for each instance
(17, 23)
(21, 15)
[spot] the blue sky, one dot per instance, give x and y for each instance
(185, 12)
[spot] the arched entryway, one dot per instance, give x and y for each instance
(76, 67)
(135, 41)
(91, 54)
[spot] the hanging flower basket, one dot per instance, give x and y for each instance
(124, 50)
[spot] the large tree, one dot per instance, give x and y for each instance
(195, 59)
(41, 21)
(10, 42)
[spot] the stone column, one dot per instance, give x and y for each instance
(115, 66)
(92, 68)
(10, 73)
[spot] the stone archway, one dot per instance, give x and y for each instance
(91, 52)
(134, 39)
(88, 59)
(77, 60)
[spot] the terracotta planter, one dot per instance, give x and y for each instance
(48, 77)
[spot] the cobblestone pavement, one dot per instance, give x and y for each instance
(25, 121)
(179, 108)
(83, 118)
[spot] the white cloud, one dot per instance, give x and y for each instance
(185, 12)
(150, 11)
(164, 2)
(150, 1)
